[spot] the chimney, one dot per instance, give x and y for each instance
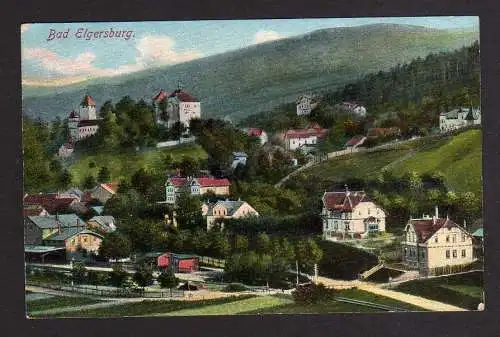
(437, 212)
(465, 224)
(346, 190)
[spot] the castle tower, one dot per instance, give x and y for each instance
(73, 120)
(87, 109)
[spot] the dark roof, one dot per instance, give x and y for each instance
(88, 122)
(51, 202)
(70, 232)
(344, 201)
(230, 205)
(51, 221)
(425, 228)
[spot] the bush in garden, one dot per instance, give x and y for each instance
(313, 293)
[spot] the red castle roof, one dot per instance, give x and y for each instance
(87, 101)
(160, 96)
(183, 96)
(344, 201)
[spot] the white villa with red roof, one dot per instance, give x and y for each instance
(195, 186)
(259, 133)
(350, 213)
(434, 242)
(179, 106)
(83, 123)
(297, 138)
(352, 107)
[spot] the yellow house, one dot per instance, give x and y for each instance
(433, 242)
(227, 209)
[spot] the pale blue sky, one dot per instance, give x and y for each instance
(163, 43)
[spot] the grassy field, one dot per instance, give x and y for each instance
(257, 304)
(123, 165)
(463, 290)
(459, 158)
(57, 302)
(146, 308)
(360, 165)
(335, 306)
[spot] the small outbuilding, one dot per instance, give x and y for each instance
(182, 263)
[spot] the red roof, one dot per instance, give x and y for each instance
(111, 187)
(312, 130)
(213, 182)
(87, 100)
(183, 96)
(354, 140)
(425, 228)
(160, 96)
(49, 201)
(254, 132)
(204, 182)
(344, 201)
(177, 181)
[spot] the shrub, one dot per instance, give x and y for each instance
(313, 293)
(235, 287)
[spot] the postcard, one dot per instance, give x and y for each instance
(252, 167)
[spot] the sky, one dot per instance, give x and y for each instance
(60, 54)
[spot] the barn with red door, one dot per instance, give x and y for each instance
(182, 263)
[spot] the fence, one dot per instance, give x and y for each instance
(171, 143)
(210, 261)
(127, 293)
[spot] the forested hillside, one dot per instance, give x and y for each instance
(408, 95)
(254, 79)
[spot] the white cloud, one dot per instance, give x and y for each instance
(266, 36)
(152, 51)
(25, 27)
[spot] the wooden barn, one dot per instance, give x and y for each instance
(182, 263)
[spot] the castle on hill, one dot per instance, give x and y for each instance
(84, 123)
(177, 106)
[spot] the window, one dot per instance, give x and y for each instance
(447, 238)
(463, 253)
(454, 238)
(448, 254)
(463, 237)
(436, 239)
(368, 211)
(454, 253)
